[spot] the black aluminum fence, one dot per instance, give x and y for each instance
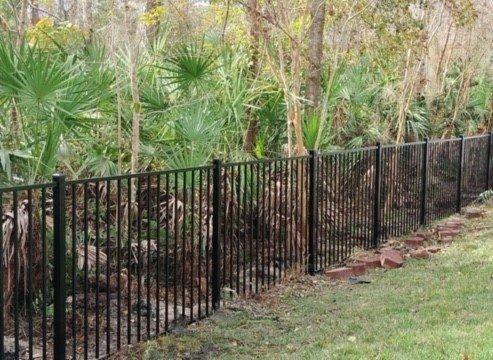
(89, 266)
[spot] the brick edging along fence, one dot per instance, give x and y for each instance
(92, 265)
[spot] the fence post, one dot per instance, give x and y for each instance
(424, 180)
(488, 163)
(459, 181)
(376, 204)
(312, 210)
(216, 244)
(59, 295)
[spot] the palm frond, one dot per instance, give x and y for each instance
(189, 68)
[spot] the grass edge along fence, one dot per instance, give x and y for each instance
(91, 265)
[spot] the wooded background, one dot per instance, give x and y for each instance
(98, 87)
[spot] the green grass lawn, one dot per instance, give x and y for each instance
(440, 308)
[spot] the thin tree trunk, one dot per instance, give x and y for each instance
(133, 58)
(88, 21)
(254, 20)
(21, 29)
(135, 114)
(401, 116)
(62, 12)
(294, 108)
(315, 52)
(15, 122)
(34, 12)
(152, 30)
(225, 23)
(135, 120)
(75, 16)
(113, 8)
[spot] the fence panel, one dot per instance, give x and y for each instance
(263, 229)
(26, 291)
(475, 167)
(139, 257)
(345, 194)
(443, 177)
(401, 196)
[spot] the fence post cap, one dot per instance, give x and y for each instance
(58, 176)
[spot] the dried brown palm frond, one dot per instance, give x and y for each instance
(145, 246)
(171, 211)
(92, 255)
(18, 239)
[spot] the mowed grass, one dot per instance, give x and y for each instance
(441, 308)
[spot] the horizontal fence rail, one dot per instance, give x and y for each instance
(89, 266)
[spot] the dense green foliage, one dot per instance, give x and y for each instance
(66, 104)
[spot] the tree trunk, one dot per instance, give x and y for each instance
(135, 115)
(75, 15)
(62, 12)
(134, 86)
(15, 122)
(151, 30)
(34, 12)
(21, 30)
(22, 24)
(88, 21)
(113, 9)
(253, 125)
(315, 52)
(294, 106)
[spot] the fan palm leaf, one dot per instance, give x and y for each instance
(189, 68)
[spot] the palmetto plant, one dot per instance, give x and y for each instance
(49, 98)
(189, 68)
(359, 103)
(198, 126)
(480, 104)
